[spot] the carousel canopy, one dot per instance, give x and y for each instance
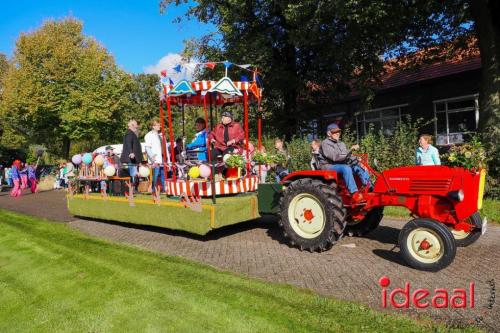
(193, 92)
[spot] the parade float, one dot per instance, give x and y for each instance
(196, 197)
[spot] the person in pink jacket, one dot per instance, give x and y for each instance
(16, 179)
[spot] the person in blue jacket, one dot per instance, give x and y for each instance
(199, 143)
(426, 153)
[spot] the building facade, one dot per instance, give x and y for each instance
(444, 94)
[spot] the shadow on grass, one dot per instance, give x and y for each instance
(261, 223)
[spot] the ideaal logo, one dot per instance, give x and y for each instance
(422, 298)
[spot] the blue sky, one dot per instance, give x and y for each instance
(133, 31)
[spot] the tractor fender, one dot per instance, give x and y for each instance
(328, 175)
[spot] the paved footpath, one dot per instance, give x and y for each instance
(350, 270)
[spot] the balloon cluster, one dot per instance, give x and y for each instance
(203, 171)
(87, 159)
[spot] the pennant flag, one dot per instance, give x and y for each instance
(210, 65)
(171, 82)
(244, 78)
(178, 68)
(255, 90)
(226, 86)
(163, 73)
(182, 88)
(228, 64)
(244, 66)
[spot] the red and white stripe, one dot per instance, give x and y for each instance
(202, 85)
(204, 188)
(241, 85)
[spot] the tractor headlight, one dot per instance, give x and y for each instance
(456, 195)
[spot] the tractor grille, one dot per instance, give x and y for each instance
(429, 185)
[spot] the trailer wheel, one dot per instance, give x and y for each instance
(312, 215)
(369, 223)
(427, 244)
(463, 238)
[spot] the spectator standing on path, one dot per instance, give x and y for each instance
(154, 152)
(24, 176)
(132, 151)
(32, 177)
(16, 179)
(426, 153)
(8, 176)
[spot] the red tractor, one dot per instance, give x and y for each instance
(316, 210)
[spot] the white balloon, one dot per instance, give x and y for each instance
(226, 157)
(109, 170)
(144, 171)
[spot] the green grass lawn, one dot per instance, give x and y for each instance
(55, 279)
(491, 209)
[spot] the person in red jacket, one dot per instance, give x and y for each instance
(226, 136)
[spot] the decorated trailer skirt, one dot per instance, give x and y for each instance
(194, 217)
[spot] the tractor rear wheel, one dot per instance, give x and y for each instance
(312, 215)
(369, 223)
(463, 238)
(427, 245)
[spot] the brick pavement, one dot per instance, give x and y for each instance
(350, 270)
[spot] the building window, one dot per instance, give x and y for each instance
(455, 119)
(381, 119)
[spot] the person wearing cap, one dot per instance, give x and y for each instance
(111, 158)
(226, 136)
(337, 157)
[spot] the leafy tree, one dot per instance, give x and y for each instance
(4, 65)
(63, 87)
(314, 51)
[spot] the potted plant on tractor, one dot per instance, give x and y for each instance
(234, 164)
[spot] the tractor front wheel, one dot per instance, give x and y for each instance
(312, 215)
(427, 245)
(464, 238)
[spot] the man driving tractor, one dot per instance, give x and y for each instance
(334, 155)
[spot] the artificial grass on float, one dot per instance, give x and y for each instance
(54, 279)
(170, 213)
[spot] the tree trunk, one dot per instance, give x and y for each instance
(488, 32)
(65, 147)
